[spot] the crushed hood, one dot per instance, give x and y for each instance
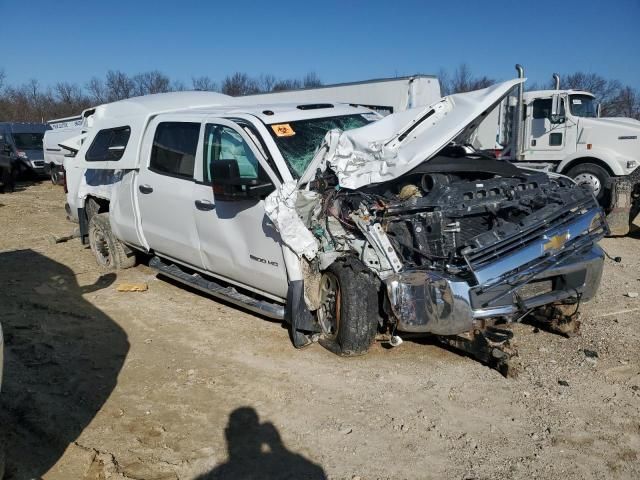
(393, 146)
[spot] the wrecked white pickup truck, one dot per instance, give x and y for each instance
(343, 224)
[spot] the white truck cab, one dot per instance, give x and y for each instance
(576, 140)
(562, 131)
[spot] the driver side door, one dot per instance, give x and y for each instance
(237, 240)
(546, 140)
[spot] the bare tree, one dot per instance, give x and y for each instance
(150, 82)
(462, 81)
(178, 86)
(239, 84)
(69, 99)
(311, 80)
(204, 83)
(97, 90)
(266, 82)
(626, 103)
(445, 82)
(118, 86)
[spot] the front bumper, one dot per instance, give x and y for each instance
(429, 301)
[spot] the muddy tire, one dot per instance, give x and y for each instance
(349, 314)
(594, 176)
(55, 175)
(91, 208)
(110, 253)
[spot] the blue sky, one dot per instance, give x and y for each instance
(64, 40)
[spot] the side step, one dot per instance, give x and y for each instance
(230, 294)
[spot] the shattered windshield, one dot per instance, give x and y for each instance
(298, 141)
(28, 141)
(583, 106)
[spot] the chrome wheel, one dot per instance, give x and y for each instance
(329, 311)
(591, 180)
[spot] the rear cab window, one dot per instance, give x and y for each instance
(174, 149)
(109, 144)
(299, 140)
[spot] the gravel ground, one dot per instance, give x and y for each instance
(169, 384)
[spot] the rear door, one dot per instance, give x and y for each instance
(237, 241)
(165, 187)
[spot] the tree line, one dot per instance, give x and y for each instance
(34, 102)
(31, 102)
(616, 99)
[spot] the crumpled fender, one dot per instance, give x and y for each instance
(280, 207)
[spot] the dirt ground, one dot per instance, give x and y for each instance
(170, 384)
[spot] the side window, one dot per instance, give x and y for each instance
(108, 145)
(542, 108)
(555, 139)
(224, 146)
(174, 149)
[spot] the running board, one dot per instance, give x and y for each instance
(229, 294)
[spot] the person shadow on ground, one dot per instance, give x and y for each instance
(62, 358)
(256, 451)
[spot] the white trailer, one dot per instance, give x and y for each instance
(61, 129)
(384, 95)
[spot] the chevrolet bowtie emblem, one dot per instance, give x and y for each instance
(556, 242)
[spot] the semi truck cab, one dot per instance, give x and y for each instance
(563, 128)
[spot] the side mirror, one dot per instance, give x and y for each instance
(557, 116)
(227, 184)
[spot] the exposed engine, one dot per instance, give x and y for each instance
(444, 210)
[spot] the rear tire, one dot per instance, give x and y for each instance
(594, 176)
(349, 312)
(110, 253)
(8, 181)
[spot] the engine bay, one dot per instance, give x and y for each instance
(438, 213)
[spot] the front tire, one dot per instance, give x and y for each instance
(593, 176)
(349, 310)
(110, 253)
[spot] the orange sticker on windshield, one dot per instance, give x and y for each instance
(283, 130)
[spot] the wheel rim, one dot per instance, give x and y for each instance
(101, 247)
(591, 180)
(329, 311)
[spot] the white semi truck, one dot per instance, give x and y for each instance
(562, 131)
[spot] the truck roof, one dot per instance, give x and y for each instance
(550, 93)
(211, 103)
(276, 112)
(161, 102)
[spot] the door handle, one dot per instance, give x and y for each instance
(204, 205)
(145, 188)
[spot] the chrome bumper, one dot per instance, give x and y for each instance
(429, 301)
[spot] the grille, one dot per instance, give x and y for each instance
(479, 256)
